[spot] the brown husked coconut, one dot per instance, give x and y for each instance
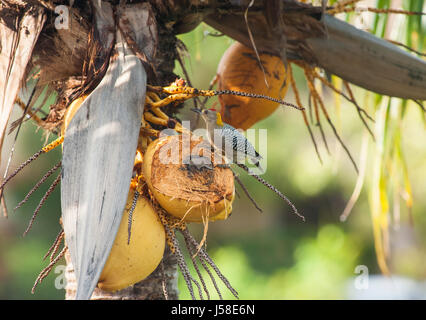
(192, 193)
(239, 70)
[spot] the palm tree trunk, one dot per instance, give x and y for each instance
(152, 288)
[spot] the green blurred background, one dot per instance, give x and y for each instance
(273, 255)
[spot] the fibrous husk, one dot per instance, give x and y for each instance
(60, 52)
(185, 190)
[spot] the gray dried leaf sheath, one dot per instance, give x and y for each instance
(98, 155)
(368, 61)
(18, 35)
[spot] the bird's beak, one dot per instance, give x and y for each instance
(196, 110)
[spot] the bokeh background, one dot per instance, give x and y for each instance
(273, 255)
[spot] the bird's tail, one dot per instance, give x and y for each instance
(256, 162)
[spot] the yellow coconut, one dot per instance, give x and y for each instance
(133, 262)
(184, 190)
(70, 112)
(239, 70)
(226, 212)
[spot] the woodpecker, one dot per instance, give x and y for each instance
(223, 136)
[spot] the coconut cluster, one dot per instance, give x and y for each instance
(186, 191)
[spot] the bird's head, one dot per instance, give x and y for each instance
(210, 116)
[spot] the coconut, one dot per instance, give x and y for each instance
(239, 70)
(187, 191)
(132, 262)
